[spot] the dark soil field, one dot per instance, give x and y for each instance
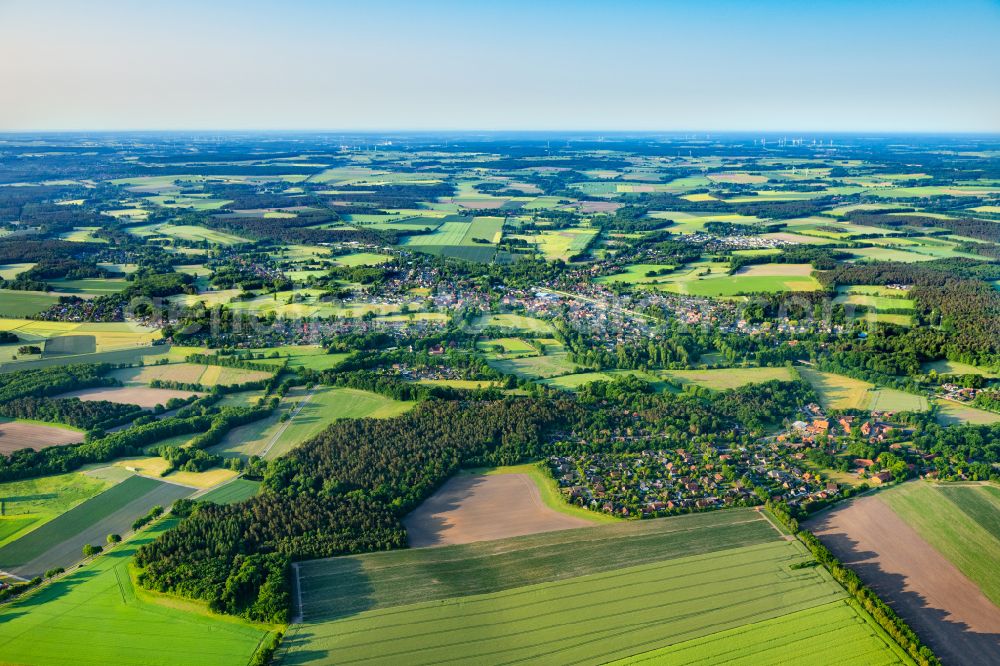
(944, 607)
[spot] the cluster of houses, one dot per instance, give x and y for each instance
(664, 482)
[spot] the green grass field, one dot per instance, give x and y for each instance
(96, 615)
(636, 274)
(728, 378)
(961, 521)
(945, 367)
(33, 502)
(953, 413)
(584, 596)
(311, 357)
(535, 367)
(712, 279)
(308, 416)
(234, 491)
(59, 541)
(16, 303)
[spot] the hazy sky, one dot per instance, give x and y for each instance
(477, 64)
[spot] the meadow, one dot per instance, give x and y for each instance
(96, 615)
(728, 378)
(842, 392)
(516, 322)
(536, 367)
(954, 413)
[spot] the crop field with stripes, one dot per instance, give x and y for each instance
(583, 596)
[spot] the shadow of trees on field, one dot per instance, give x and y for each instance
(334, 589)
(954, 642)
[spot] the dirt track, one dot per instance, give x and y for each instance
(15, 436)
(483, 508)
(944, 607)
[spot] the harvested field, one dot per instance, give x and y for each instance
(483, 508)
(944, 607)
(770, 270)
(145, 397)
(17, 435)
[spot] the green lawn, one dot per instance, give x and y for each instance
(34, 502)
(586, 596)
(97, 616)
(961, 521)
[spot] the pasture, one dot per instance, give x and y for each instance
(97, 615)
(59, 542)
(309, 413)
(588, 596)
(955, 413)
(728, 378)
(638, 274)
(17, 435)
(311, 357)
(946, 367)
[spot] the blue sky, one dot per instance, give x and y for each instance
(826, 65)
